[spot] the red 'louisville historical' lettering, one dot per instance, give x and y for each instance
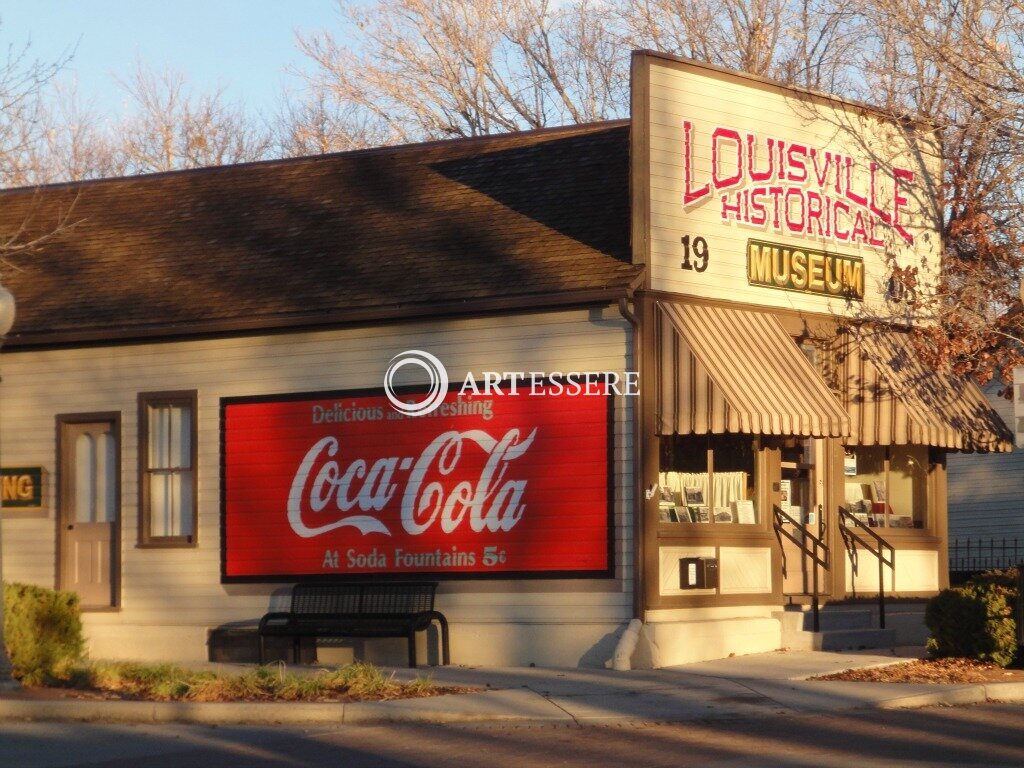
(794, 189)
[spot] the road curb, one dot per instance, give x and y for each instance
(356, 715)
(499, 706)
(212, 713)
(508, 705)
(1004, 692)
(968, 694)
(971, 694)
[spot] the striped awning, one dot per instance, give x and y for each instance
(722, 369)
(895, 399)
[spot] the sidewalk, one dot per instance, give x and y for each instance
(745, 686)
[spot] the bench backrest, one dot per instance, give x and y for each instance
(364, 598)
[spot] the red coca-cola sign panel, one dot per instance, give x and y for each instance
(336, 484)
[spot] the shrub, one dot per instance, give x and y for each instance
(42, 629)
(1004, 579)
(974, 621)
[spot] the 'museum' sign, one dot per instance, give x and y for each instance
(342, 484)
(775, 265)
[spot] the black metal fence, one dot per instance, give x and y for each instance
(968, 556)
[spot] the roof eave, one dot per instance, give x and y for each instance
(319, 320)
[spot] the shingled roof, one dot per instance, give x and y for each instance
(516, 220)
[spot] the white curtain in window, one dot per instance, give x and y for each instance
(161, 505)
(85, 478)
(170, 494)
(730, 487)
(184, 488)
(95, 478)
(170, 491)
(106, 478)
(677, 481)
(170, 437)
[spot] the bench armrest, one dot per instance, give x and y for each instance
(276, 619)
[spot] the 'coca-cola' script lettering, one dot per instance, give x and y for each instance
(492, 503)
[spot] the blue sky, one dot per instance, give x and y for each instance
(242, 45)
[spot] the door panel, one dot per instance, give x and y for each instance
(803, 499)
(89, 510)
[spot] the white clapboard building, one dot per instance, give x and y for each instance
(585, 378)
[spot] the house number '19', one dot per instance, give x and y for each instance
(700, 254)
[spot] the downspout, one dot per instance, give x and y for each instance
(638, 485)
(622, 657)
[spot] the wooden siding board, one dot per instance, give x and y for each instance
(986, 491)
(40, 384)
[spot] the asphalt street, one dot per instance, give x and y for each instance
(978, 735)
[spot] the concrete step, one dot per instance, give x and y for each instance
(802, 618)
(853, 639)
(840, 640)
(841, 629)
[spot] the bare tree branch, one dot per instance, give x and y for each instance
(170, 128)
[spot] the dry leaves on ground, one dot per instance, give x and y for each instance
(932, 671)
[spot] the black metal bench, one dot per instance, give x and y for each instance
(357, 609)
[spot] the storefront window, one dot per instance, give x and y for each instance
(708, 479)
(886, 487)
(908, 483)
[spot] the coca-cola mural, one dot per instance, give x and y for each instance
(336, 484)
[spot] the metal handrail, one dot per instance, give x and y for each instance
(851, 539)
(810, 549)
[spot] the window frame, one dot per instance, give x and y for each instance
(735, 526)
(146, 401)
(928, 512)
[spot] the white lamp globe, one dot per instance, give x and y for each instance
(6, 311)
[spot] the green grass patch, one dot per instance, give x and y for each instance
(168, 682)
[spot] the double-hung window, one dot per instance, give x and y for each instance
(167, 469)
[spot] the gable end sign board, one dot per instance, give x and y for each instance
(341, 485)
(749, 191)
